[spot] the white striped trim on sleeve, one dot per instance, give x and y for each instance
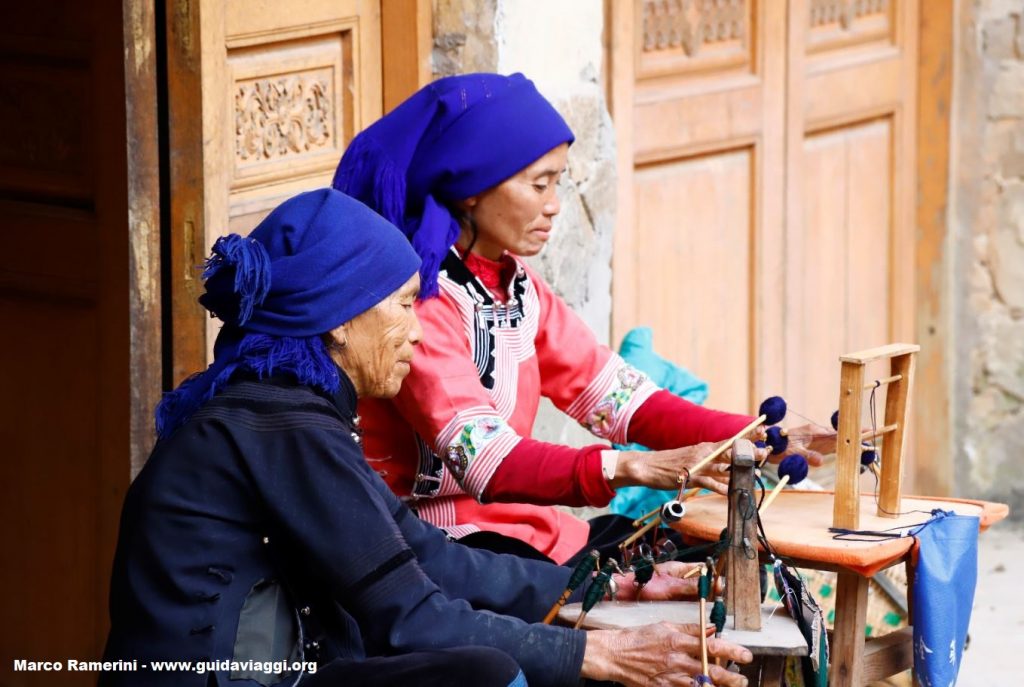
(440, 512)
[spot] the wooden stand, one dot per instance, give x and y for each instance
(846, 509)
(743, 588)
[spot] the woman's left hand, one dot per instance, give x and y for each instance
(810, 441)
(667, 583)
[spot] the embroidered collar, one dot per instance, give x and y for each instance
(460, 273)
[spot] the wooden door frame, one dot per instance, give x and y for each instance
(144, 290)
(932, 467)
(406, 44)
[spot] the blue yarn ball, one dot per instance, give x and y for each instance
(760, 444)
(777, 440)
(795, 466)
(835, 420)
(774, 410)
(868, 457)
(702, 680)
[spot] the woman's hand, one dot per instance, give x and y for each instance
(810, 441)
(656, 655)
(661, 469)
(667, 583)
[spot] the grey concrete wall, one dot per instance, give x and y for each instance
(558, 45)
(987, 241)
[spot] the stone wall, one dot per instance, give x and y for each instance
(533, 37)
(987, 238)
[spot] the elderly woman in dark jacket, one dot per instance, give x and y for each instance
(258, 548)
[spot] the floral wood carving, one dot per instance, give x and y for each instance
(691, 24)
(282, 116)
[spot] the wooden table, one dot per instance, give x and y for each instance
(797, 526)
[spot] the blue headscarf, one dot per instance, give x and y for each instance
(318, 260)
(452, 139)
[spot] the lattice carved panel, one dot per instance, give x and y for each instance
(840, 23)
(291, 108)
(682, 36)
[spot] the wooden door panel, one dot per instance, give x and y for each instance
(286, 125)
(840, 294)
(818, 97)
(673, 123)
(849, 189)
(702, 118)
(696, 267)
(53, 568)
(64, 294)
(284, 87)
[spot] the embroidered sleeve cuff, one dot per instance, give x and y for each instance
(472, 447)
(609, 401)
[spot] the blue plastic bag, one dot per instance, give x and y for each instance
(945, 576)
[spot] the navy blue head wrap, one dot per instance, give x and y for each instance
(318, 260)
(452, 139)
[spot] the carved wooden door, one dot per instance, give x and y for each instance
(263, 98)
(767, 176)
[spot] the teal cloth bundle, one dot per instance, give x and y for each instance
(637, 349)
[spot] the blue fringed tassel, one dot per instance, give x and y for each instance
(369, 175)
(436, 232)
(178, 406)
(304, 358)
(251, 263)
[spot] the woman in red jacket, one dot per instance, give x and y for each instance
(468, 168)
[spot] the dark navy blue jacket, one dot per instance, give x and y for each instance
(257, 531)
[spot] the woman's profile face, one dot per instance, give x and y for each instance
(378, 343)
(516, 215)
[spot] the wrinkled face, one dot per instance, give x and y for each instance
(516, 215)
(376, 347)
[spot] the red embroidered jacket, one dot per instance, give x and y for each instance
(455, 442)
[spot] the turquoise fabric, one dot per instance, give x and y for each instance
(637, 349)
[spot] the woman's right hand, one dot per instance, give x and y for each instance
(656, 655)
